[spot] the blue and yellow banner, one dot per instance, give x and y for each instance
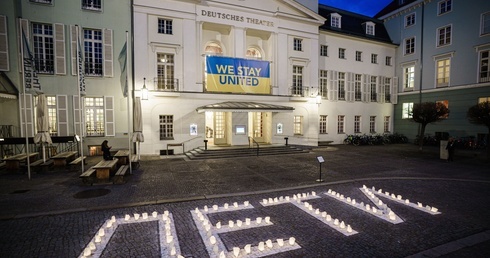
(237, 75)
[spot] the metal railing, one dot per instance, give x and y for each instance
(251, 142)
(164, 84)
(181, 144)
(299, 91)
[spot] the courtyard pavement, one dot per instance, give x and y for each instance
(55, 215)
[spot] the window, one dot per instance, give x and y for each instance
(298, 44)
(93, 52)
(445, 6)
(95, 5)
(357, 124)
(372, 124)
(323, 124)
(484, 66)
(409, 77)
(446, 104)
(410, 20)
(164, 26)
(52, 121)
(323, 83)
(341, 86)
(323, 50)
(386, 124)
(485, 23)
(374, 95)
(340, 124)
(42, 1)
(359, 56)
(165, 72)
(213, 49)
(444, 36)
(166, 127)
(374, 59)
(409, 46)
(335, 20)
(388, 61)
(94, 116)
(370, 28)
(443, 67)
(387, 89)
(253, 52)
(357, 87)
(407, 110)
(342, 53)
(298, 125)
(484, 99)
(43, 47)
(297, 80)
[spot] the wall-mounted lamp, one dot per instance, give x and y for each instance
(144, 91)
(318, 99)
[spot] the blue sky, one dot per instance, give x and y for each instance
(365, 7)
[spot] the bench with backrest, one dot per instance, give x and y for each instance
(119, 176)
(88, 177)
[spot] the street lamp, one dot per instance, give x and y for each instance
(144, 91)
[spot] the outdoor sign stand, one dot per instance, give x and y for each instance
(320, 160)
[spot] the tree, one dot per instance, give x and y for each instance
(426, 113)
(480, 114)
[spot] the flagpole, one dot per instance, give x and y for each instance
(79, 98)
(129, 111)
(25, 100)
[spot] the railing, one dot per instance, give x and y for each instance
(163, 84)
(251, 142)
(16, 145)
(7, 131)
(182, 143)
(299, 91)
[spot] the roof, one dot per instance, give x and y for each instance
(7, 88)
(394, 5)
(243, 107)
(352, 24)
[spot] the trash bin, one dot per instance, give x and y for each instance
(443, 152)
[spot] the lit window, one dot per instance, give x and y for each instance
(165, 26)
(340, 124)
(407, 110)
(410, 20)
(444, 36)
(484, 99)
(298, 44)
(92, 40)
(342, 53)
(445, 7)
(94, 116)
(323, 50)
(357, 124)
(446, 104)
(323, 82)
(409, 46)
(298, 125)
(166, 127)
(253, 52)
(42, 1)
(323, 124)
(358, 56)
(297, 80)
(409, 77)
(94, 5)
(386, 124)
(443, 72)
(53, 129)
(165, 72)
(484, 66)
(372, 124)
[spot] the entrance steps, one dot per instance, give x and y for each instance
(233, 152)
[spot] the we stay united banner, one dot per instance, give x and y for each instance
(237, 75)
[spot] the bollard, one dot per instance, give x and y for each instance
(205, 144)
(286, 138)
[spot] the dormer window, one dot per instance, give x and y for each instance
(369, 28)
(335, 20)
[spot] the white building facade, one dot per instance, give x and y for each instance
(230, 73)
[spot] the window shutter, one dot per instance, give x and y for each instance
(59, 32)
(366, 87)
(394, 90)
(73, 43)
(350, 87)
(76, 115)
(24, 24)
(381, 89)
(110, 129)
(4, 47)
(333, 86)
(28, 110)
(108, 53)
(62, 114)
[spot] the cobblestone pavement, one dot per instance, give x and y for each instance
(55, 215)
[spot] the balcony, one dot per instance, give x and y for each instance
(298, 91)
(163, 84)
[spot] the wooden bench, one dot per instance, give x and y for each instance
(78, 160)
(119, 176)
(88, 177)
(13, 162)
(42, 166)
(63, 158)
(104, 168)
(122, 156)
(135, 163)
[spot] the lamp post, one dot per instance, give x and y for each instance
(144, 91)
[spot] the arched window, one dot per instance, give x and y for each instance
(253, 52)
(213, 49)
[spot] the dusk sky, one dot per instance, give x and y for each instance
(365, 7)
